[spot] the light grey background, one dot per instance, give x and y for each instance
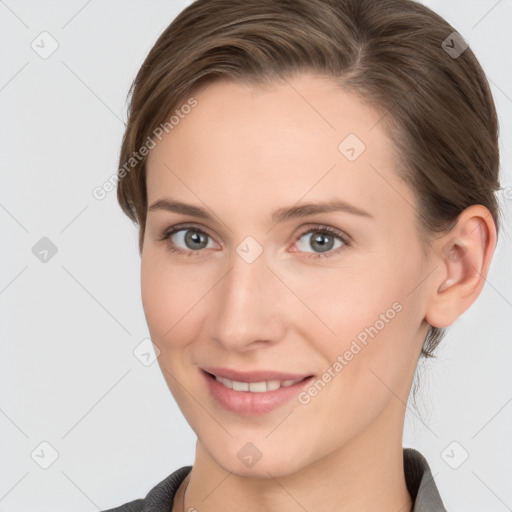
(69, 376)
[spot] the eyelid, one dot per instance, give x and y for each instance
(342, 235)
(169, 231)
(326, 229)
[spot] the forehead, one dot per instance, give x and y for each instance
(302, 137)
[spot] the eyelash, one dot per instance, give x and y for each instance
(322, 229)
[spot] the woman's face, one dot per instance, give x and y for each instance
(253, 289)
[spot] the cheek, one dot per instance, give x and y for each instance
(344, 301)
(162, 291)
(172, 296)
(373, 319)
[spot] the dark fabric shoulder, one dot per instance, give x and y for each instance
(160, 498)
(420, 483)
(133, 506)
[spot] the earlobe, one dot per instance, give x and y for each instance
(463, 257)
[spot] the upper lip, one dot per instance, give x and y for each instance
(254, 375)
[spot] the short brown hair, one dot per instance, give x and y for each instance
(395, 55)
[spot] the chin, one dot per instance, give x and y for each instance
(253, 460)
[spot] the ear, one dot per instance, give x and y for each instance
(463, 257)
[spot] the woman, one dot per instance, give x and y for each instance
(314, 184)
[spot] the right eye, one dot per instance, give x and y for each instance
(190, 238)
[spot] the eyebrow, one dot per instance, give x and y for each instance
(280, 215)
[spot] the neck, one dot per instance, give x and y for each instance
(365, 474)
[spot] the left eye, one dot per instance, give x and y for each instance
(324, 240)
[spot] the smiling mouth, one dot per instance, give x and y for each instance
(256, 387)
(266, 391)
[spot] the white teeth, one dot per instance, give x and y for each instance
(273, 384)
(258, 387)
(240, 386)
(228, 383)
(255, 387)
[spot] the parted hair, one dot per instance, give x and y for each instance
(398, 56)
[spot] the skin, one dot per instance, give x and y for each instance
(243, 152)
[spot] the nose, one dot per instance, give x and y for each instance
(249, 309)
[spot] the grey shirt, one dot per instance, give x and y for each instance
(418, 477)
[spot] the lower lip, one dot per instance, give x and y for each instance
(247, 402)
